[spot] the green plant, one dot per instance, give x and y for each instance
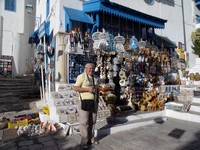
(195, 37)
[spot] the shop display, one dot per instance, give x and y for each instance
(64, 106)
(131, 74)
(6, 65)
(75, 65)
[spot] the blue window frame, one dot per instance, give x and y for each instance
(10, 5)
(47, 7)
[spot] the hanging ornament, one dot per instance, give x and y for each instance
(110, 43)
(141, 44)
(103, 40)
(95, 38)
(119, 41)
(133, 43)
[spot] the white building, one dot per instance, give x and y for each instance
(15, 29)
(16, 26)
(180, 16)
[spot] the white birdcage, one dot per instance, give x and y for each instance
(119, 39)
(141, 44)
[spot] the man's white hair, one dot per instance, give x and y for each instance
(89, 64)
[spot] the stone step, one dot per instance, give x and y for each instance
(187, 116)
(22, 79)
(195, 108)
(15, 87)
(8, 84)
(133, 121)
(196, 99)
(17, 93)
(16, 106)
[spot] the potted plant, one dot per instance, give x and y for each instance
(195, 37)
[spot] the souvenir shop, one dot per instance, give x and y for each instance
(133, 63)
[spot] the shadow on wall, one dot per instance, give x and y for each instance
(167, 2)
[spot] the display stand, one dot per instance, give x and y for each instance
(6, 65)
(63, 106)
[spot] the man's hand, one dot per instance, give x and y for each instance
(84, 89)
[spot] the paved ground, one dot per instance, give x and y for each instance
(169, 135)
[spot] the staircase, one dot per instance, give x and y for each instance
(17, 94)
(192, 115)
(130, 121)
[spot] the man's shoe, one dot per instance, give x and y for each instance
(96, 142)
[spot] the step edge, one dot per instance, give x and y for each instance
(116, 129)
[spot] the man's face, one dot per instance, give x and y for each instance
(89, 69)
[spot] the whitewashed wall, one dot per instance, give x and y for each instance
(15, 29)
(170, 10)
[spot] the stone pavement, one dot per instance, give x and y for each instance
(172, 134)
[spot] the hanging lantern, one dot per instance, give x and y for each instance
(119, 41)
(133, 43)
(104, 38)
(141, 44)
(95, 38)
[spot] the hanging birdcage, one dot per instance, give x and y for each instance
(103, 40)
(110, 43)
(133, 43)
(95, 38)
(141, 44)
(119, 39)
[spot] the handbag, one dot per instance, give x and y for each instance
(87, 104)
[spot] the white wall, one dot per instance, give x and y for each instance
(15, 29)
(172, 12)
(165, 9)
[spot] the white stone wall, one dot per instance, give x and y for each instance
(170, 10)
(15, 28)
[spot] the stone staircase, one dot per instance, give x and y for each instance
(192, 115)
(131, 121)
(17, 94)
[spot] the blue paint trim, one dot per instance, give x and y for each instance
(77, 15)
(47, 8)
(68, 23)
(10, 5)
(197, 3)
(124, 12)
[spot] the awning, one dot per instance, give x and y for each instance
(165, 42)
(34, 37)
(197, 2)
(122, 11)
(78, 15)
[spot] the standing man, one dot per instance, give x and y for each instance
(87, 85)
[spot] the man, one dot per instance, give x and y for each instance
(87, 85)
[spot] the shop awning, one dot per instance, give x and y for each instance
(165, 42)
(122, 11)
(78, 15)
(33, 38)
(197, 2)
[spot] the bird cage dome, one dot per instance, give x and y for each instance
(95, 35)
(104, 36)
(141, 44)
(119, 39)
(103, 40)
(133, 43)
